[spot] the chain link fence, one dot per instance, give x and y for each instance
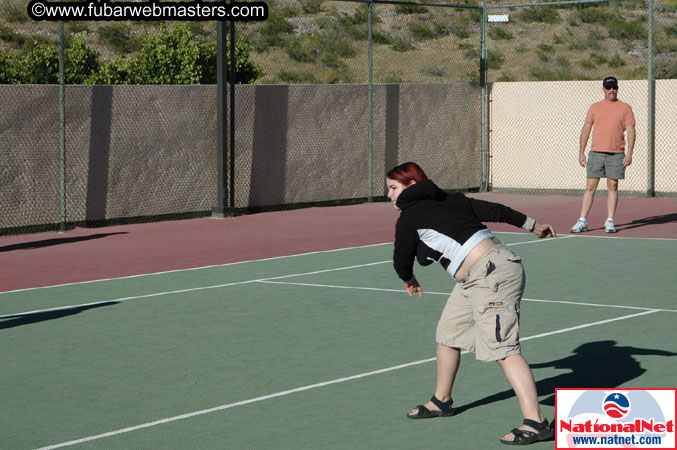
(329, 96)
(545, 65)
(130, 134)
(665, 160)
(359, 88)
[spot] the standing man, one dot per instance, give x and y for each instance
(608, 120)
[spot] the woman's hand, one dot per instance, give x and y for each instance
(544, 230)
(414, 287)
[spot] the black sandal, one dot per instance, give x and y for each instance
(424, 413)
(525, 437)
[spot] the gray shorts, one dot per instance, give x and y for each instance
(606, 165)
(482, 313)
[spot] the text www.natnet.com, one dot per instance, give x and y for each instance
(150, 10)
(616, 440)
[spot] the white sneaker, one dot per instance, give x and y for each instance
(580, 227)
(609, 226)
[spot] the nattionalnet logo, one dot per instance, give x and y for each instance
(616, 405)
(615, 418)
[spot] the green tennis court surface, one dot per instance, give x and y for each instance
(322, 350)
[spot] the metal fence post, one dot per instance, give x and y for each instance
(231, 128)
(221, 207)
(370, 93)
(225, 206)
(62, 127)
(483, 99)
(651, 127)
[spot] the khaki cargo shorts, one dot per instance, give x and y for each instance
(605, 165)
(482, 313)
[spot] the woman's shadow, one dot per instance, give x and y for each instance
(17, 320)
(600, 364)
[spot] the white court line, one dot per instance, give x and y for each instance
(180, 291)
(223, 265)
(558, 238)
(302, 254)
(600, 237)
(402, 291)
(598, 304)
(312, 386)
(621, 237)
(193, 268)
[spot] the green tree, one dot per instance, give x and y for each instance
(5, 68)
(162, 64)
(39, 66)
(169, 57)
(177, 57)
(113, 72)
(80, 61)
(247, 70)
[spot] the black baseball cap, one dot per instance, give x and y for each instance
(610, 83)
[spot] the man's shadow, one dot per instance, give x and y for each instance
(600, 364)
(654, 220)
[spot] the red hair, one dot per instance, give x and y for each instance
(406, 173)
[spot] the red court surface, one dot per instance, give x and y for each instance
(85, 254)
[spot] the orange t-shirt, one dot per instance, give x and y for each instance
(609, 120)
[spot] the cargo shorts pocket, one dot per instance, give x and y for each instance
(494, 277)
(614, 167)
(595, 165)
(500, 324)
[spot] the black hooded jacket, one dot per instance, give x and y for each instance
(435, 226)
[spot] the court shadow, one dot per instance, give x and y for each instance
(55, 241)
(600, 364)
(18, 320)
(269, 148)
(653, 220)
